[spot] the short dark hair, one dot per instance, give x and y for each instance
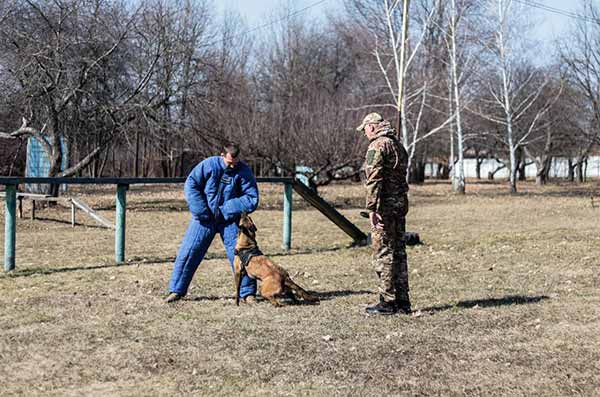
(232, 148)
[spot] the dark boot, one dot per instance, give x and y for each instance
(383, 307)
(403, 306)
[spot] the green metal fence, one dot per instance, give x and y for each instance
(122, 185)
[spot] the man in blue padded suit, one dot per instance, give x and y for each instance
(217, 191)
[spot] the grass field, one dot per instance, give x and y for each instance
(507, 290)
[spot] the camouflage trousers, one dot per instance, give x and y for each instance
(389, 257)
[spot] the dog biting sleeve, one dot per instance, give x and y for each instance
(247, 201)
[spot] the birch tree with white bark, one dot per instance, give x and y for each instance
(459, 63)
(396, 54)
(513, 84)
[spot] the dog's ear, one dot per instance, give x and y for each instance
(253, 227)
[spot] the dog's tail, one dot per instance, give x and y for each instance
(298, 290)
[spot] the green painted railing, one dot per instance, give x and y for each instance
(122, 184)
(10, 221)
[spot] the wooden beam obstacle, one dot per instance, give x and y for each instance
(74, 202)
(122, 185)
(78, 203)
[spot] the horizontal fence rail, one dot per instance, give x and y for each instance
(122, 184)
(116, 181)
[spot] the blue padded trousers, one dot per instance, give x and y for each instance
(196, 241)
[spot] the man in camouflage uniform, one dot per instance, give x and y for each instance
(387, 202)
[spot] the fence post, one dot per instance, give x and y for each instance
(10, 227)
(72, 214)
(120, 223)
(287, 216)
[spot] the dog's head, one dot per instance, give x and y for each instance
(247, 226)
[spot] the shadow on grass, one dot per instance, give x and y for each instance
(329, 295)
(158, 205)
(69, 223)
(210, 298)
(31, 271)
(491, 302)
(48, 270)
(322, 295)
(148, 260)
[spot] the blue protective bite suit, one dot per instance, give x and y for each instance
(216, 196)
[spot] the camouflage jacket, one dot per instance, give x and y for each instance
(385, 169)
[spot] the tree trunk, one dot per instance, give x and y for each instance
(543, 164)
(513, 171)
(16, 157)
(492, 174)
(548, 168)
(579, 170)
(136, 169)
(540, 174)
(102, 164)
(458, 170)
(541, 178)
(182, 163)
(478, 162)
(417, 172)
(522, 168)
(443, 171)
(55, 161)
(144, 159)
(571, 176)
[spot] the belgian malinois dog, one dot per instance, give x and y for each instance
(275, 282)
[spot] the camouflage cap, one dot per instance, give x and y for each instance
(371, 118)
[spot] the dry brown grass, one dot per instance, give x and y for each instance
(507, 288)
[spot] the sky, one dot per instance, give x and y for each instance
(553, 24)
(259, 12)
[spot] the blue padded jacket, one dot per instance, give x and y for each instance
(216, 193)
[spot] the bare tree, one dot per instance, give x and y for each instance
(581, 56)
(514, 86)
(412, 86)
(303, 85)
(460, 61)
(556, 127)
(54, 53)
(174, 39)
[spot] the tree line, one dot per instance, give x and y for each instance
(149, 88)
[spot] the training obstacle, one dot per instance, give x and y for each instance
(76, 202)
(122, 185)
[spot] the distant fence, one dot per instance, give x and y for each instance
(558, 169)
